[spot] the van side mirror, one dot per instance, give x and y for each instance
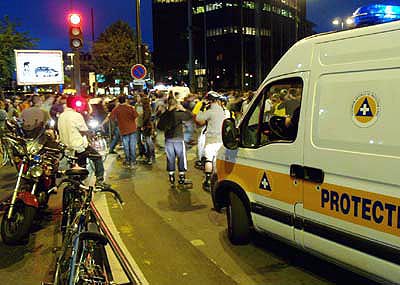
(230, 134)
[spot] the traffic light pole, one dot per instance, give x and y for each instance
(190, 39)
(138, 33)
(77, 72)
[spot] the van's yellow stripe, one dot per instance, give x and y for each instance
(249, 179)
(372, 210)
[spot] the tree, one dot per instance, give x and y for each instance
(114, 52)
(11, 39)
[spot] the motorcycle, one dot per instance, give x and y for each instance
(37, 167)
(99, 140)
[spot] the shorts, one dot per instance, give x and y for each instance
(211, 150)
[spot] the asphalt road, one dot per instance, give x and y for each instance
(174, 236)
(34, 261)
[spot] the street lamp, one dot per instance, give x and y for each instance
(342, 22)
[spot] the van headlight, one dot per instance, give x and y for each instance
(36, 171)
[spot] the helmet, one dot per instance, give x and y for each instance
(223, 98)
(212, 96)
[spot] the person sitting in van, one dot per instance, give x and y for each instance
(293, 101)
(278, 105)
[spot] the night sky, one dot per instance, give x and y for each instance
(46, 19)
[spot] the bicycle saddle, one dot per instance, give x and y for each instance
(77, 171)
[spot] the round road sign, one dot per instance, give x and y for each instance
(138, 71)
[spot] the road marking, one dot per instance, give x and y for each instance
(197, 242)
(101, 204)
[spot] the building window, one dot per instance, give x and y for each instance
(250, 31)
(170, 1)
(198, 10)
(213, 6)
(249, 5)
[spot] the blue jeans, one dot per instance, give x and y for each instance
(175, 149)
(115, 139)
(97, 161)
(149, 145)
(129, 142)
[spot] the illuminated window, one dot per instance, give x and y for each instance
(170, 1)
(249, 4)
(200, 71)
(250, 31)
(198, 10)
(213, 6)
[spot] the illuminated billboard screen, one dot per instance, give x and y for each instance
(39, 67)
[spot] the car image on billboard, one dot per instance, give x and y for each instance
(45, 71)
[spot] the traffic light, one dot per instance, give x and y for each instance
(146, 55)
(75, 31)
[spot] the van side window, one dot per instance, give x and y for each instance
(275, 114)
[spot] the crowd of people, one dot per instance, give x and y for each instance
(138, 120)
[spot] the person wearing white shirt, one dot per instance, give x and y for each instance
(73, 133)
(214, 116)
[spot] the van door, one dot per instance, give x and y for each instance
(353, 215)
(269, 150)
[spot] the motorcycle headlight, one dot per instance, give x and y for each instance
(36, 171)
(93, 124)
(52, 123)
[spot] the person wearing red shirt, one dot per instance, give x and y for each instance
(125, 115)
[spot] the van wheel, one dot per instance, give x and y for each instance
(238, 221)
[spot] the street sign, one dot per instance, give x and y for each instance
(139, 82)
(138, 71)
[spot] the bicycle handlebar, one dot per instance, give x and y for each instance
(117, 196)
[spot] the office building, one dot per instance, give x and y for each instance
(236, 42)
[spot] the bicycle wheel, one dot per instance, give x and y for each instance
(3, 155)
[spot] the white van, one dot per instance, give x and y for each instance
(180, 92)
(328, 182)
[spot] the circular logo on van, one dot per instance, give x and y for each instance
(365, 109)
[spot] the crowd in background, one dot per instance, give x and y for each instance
(132, 120)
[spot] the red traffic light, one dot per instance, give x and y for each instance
(74, 19)
(75, 31)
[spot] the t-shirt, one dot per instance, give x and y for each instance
(125, 115)
(280, 110)
(70, 126)
(33, 118)
(214, 116)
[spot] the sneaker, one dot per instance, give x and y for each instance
(172, 179)
(207, 185)
(132, 165)
(149, 162)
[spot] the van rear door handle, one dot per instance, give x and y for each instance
(297, 171)
(307, 173)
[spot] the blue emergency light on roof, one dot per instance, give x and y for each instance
(375, 14)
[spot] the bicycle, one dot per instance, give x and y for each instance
(83, 258)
